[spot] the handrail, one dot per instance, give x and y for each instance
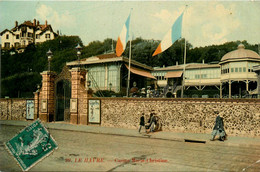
(95, 84)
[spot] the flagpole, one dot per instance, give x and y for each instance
(184, 64)
(129, 73)
(129, 63)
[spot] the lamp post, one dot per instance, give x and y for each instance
(49, 55)
(88, 83)
(78, 48)
(38, 99)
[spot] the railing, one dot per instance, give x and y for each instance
(93, 81)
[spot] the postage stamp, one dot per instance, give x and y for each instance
(31, 145)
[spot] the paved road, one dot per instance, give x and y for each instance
(79, 151)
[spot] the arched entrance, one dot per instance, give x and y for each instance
(63, 95)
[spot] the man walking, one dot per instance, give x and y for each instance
(218, 128)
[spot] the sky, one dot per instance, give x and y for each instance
(204, 22)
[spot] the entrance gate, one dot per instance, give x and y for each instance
(63, 95)
(62, 90)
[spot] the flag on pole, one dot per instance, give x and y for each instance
(172, 35)
(123, 38)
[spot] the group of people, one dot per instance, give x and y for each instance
(145, 92)
(218, 128)
(150, 126)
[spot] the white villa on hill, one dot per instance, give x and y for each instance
(26, 33)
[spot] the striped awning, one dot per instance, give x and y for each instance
(173, 74)
(140, 72)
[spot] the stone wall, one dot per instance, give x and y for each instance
(241, 117)
(13, 109)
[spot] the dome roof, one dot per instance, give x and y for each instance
(240, 53)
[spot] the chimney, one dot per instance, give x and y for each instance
(176, 63)
(46, 23)
(16, 23)
(38, 23)
(34, 22)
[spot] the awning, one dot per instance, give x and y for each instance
(140, 72)
(174, 74)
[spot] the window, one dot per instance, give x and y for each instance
(16, 45)
(17, 36)
(240, 69)
(30, 34)
(37, 36)
(204, 76)
(47, 36)
(244, 69)
(197, 76)
(7, 36)
(232, 70)
(7, 45)
(24, 34)
(236, 69)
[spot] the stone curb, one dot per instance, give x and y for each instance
(145, 136)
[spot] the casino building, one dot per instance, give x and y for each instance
(233, 76)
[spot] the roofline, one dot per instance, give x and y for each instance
(6, 31)
(72, 63)
(180, 67)
(239, 59)
(114, 59)
(34, 27)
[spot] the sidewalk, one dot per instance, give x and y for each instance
(162, 135)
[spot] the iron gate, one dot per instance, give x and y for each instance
(63, 95)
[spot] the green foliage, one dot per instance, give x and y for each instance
(21, 84)
(97, 48)
(21, 71)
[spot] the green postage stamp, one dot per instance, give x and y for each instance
(31, 145)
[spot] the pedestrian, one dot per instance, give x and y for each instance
(143, 92)
(218, 128)
(152, 122)
(141, 122)
(148, 92)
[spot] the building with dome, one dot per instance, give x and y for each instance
(237, 71)
(233, 76)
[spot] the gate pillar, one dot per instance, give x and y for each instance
(46, 97)
(78, 103)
